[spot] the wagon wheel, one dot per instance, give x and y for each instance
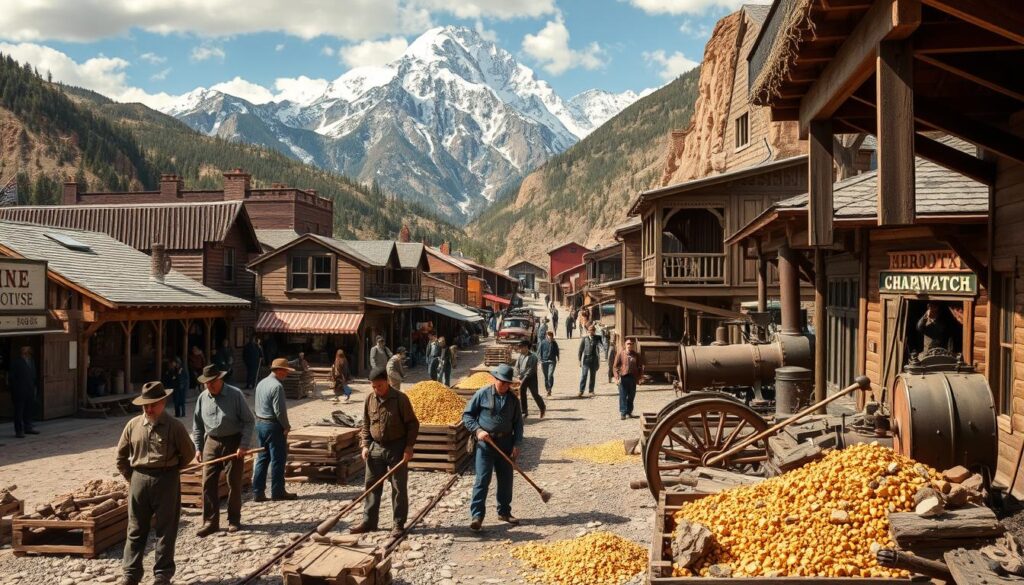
(697, 430)
(677, 402)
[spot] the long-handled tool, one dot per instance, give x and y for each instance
(329, 524)
(220, 459)
(545, 495)
(861, 383)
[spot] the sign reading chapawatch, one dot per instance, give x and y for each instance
(22, 286)
(936, 283)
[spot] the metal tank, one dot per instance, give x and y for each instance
(754, 364)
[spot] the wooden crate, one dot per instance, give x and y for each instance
(299, 385)
(497, 354)
(659, 570)
(340, 471)
(7, 513)
(86, 537)
(320, 563)
(440, 447)
(323, 453)
(192, 484)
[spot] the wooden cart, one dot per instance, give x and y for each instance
(87, 537)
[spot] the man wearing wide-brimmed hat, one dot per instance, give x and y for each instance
(222, 426)
(272, 428)
(494, 413)
(153, 449)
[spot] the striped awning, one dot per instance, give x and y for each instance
(308, 322)
(497, 299)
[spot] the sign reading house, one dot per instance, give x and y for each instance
(22, 294)
(937, 272)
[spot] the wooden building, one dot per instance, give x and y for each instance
(562, 258)
(449, 275)
(115, 315)
(532, 277)
(210, 242)
(901, 70)
(498, 288)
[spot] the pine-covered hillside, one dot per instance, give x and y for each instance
(583, 193)
(50, 133)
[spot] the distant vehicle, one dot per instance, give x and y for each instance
(517, 327)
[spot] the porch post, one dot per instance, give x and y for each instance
(159, 326)
(895, 117)
(185, 324)
(127, 327)
(208, 337)
(789, 291)
(700, 328)
(762, 281)
(820, 327)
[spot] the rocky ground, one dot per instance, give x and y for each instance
(442, 550)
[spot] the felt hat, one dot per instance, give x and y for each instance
(502, 372)
(210, 373)
(152, 392)
(523, 343)
(378, 374)
(281, 364)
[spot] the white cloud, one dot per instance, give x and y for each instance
(206, 52)
(160, 75)
(500, 9)
(485, 33)
(299, 89)
(689, 6)
(550, 47)
(695, 30)
(246, 90)
(279, 47)
(373, 52)
(153, 58)
(672, 66)
(327, 51)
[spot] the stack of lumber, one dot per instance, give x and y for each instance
(323, 453)
(86, 521)
(299, 385)
(328, 563)
(192, 484)
(497, 354)
(440, 448)
(10, 506)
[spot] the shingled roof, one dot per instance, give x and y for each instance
(274, 239)
(377, 251)
(112, 271)
(179, 226)
(410, 254)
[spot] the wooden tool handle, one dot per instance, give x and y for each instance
(862, 383)
(220, 459)
(514, 465)
(329, 524)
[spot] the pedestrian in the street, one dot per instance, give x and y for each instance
(629, 369)
(252, 355)
(176, 380)
(433, 357)
(445, 368)
(222, 425)
(22, 383)
(272, 429)
(590, 359)
(396, 368)
(570, 324)
(542, 331)
(225, 360)
(554, 319)
(526, 371)
(387, 437)
(611, 350)
(379, 354)
(340, 375)
(548, 353)
(196, 361)
(153, 449)
(495, 413)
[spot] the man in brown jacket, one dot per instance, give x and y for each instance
(387, 437)
(629, 369)
(153, 450)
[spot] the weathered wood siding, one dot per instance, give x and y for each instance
(273, 281)
(242, 284)
(632, 256)
(189, 263)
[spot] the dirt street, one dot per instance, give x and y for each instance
(587, 496)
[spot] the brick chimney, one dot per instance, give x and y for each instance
(236, 185)
(404, 235)
(72, 190)
(171, 185)
(446, 247)
(159, 263)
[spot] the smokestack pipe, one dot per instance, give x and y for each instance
(159, 264)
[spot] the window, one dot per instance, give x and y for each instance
(1006, 311)
(311, 273)
(229, 264)
(742, 130)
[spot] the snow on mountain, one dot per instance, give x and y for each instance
(449, 123)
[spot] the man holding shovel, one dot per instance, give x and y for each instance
(494, 414)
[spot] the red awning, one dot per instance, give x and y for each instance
(497, 299)
(308, 322)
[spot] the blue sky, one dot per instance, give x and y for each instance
(268, 49)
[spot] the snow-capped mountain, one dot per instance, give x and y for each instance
(449, 123)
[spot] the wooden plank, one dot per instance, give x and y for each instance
(854, 61)
(970, 567)
(955, 160)
(820, 178)
(895, 115)
(908, 529)
(998, 16)
(979, 133)
(951, 37)
(994, 78)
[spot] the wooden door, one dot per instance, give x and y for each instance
(58, 390)
(894, 338)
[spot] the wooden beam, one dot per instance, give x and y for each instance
(699, 307)
(820, 320)
(819, 183)
(965, 254)
(895, 115)
(837, 5)
(955, 160)
(978, 133)
(999, 16)
(938, 38)
(994, 76)
(855, 61)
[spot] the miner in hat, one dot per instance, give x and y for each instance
(272, 429)
(153, 450)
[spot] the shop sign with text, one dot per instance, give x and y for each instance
(22, 287)
(928, 283)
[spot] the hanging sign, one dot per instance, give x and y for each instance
(22, 286)
(924, 283)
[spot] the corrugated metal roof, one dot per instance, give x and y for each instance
(274, 239)
(377, 251)
(110, 269)
(179, 226)
(409, 254)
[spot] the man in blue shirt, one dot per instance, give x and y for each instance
(494, 412)
(548, 353)
(272, 428)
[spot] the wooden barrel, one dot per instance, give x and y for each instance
(945, 419)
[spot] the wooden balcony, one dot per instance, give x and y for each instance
(705, 269)
(400, 292)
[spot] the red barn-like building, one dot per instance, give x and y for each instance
(564, 257)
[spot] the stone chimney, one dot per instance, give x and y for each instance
(236, 185)
(72, 190)
(171, 185)
(404, 235)
(159, 263)
(446, 248)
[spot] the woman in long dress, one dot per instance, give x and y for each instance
(340, 375)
